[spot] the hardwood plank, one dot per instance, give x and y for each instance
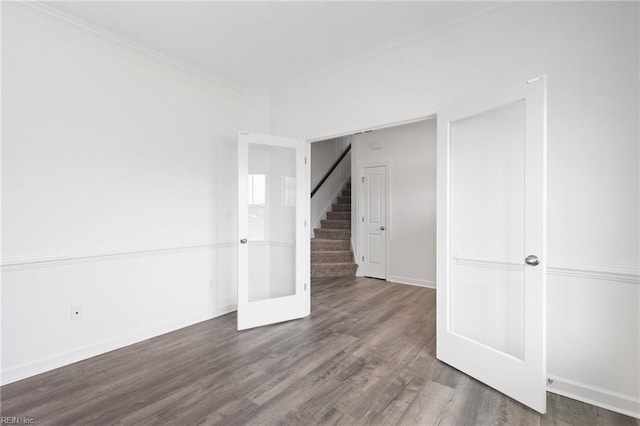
(429, 406)
(397, 408)
(366, 356)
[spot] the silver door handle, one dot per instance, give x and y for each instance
(532, 260)
(243, 241)
(382, 228)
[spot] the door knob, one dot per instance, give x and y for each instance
(243, 241)
(382, 228)
(532, 260)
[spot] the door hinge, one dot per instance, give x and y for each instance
(305, 160)
(363, 258)
(362, 179)
(362, 219)
(305, 223)
(305, 286)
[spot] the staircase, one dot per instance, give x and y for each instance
(331, 254)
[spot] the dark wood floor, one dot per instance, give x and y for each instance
(366, 356)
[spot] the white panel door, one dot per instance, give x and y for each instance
(491, 298)
(374, 222)
(273, 212)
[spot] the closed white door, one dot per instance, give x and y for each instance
(273, 212)
(373, 221)
(491, 299)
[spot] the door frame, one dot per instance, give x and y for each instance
(360, 244)
(417, 115)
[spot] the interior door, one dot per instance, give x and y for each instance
(274, 248)
(491, 299)
(374, 221)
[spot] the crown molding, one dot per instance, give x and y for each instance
(157, 55)
(382, 49)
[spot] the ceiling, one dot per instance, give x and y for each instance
(268, 44)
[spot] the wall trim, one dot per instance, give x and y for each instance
(44, 261)
(412, 281)
(572, 268)
(620, 403)
(380, 50)
(599, 271)
(42, 365)
(53, 12)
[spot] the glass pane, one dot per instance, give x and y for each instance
(487, 228)
(257, 190)
(272, 215)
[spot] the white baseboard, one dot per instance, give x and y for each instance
(620, 403)
(59, 360)
(411, 281)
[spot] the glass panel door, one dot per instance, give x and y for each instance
(273, 267)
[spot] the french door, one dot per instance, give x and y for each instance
(491, 259)
(273, 241)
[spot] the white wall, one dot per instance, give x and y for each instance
(323, 155)
(411, 231)
(119, 193)
(590, 52)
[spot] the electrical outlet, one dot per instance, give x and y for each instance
(76, 313)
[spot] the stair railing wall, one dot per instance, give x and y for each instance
(329, 187)
(330, 171)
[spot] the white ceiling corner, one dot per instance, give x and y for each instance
(267, 44)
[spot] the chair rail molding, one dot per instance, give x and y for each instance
(44, 260)
(626, 273)
(584, 268)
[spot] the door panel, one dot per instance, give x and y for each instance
(491, 216)
(374, 218)
(273, 253)
(374, 244)
(487, 221)
(374, 206)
